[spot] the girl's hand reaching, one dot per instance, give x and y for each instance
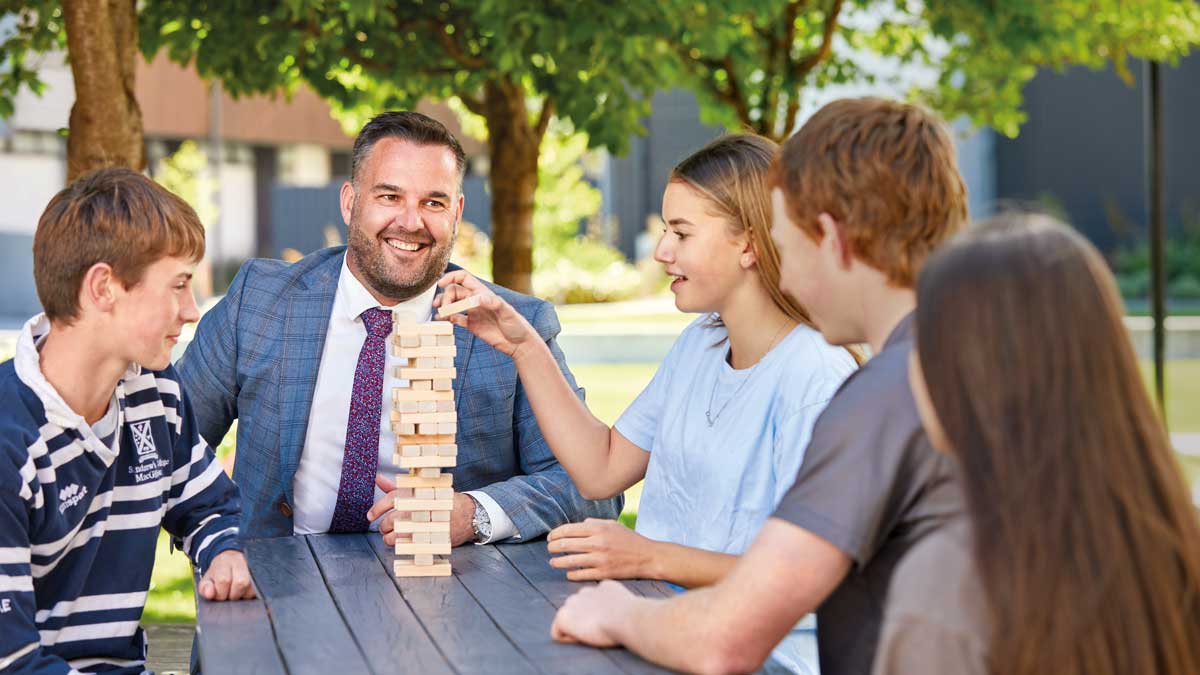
(494, 321)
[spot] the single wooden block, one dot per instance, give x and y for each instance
(430, 395)
(411, 340)
(439, 461)
(431, 570)
(421, 385)
(438, 493)
(405, 429)
(440, 536)
(439, 516)
(427, 373)
(415, 549)
(429, 472)
(444, 406)
(445, 450)
(428, 406)
(410, 451)
(425, 362)
(429, 429)
(443, 362)
(413, 439)
(425, 328)
(431, 505)
(413, 406)
(421, 517)
(407, 480)
(460, 306)
(419, 538)
(429, 493)
(445, 341)
(421, 352)
(422, 418)
(429, 340)
(433, 529)
(443, 385)
(447, 428)
(423, 559)
(429, 450)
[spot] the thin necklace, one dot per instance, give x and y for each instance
(708, 414)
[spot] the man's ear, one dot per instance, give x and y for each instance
(346, 201)
(834, 238)
(100, 288)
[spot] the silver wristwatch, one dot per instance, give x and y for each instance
(481, 523)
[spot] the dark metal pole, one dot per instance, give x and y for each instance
(1155, 209)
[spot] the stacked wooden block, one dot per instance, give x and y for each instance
(425, 422)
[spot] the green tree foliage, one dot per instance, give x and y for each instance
(517, 65)
(752, 62)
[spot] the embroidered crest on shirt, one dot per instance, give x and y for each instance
(143, 440)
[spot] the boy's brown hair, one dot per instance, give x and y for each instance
(115, 216)
(886, 171)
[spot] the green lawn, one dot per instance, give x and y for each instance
(610, 389)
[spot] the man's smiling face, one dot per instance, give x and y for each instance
(402, 211)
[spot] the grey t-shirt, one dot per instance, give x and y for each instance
(936, 620)
(872, 486)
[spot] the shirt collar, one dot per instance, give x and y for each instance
(28, 364)
(353, 299)
(903, 331)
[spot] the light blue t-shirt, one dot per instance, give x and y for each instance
(713, 487)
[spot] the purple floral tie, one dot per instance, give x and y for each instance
(356, 492)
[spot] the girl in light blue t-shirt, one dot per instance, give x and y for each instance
(720, 431)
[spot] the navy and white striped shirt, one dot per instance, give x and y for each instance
(80, 517)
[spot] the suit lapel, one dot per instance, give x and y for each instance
(306, 321)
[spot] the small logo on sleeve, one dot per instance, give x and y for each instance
(70, 496)
(143, 440)
(5, 605)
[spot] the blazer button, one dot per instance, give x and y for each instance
(285, 509)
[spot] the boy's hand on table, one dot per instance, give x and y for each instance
(227, 578)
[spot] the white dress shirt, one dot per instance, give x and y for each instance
(320, 471)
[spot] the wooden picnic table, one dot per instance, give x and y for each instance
(330, 604)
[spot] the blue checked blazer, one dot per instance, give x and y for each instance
(255, 359)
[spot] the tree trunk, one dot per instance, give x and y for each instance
(513, 144)
(106, 121)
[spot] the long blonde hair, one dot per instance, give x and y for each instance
(731, 172)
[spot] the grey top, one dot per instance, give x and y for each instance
(936, 620)
(872, 486)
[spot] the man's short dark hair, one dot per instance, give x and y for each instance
(409, 126)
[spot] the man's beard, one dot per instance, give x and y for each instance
(373, 264)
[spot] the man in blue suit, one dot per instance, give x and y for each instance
(296, 353)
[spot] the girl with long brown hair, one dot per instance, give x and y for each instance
(1080, 554)
(720, 432)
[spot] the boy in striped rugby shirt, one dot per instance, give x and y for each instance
(98, 445)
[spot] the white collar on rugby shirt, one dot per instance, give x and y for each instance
(28, 366)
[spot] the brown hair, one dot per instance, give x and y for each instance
(406, 125)
(115, 216)
(731, 172)
(885, 171)
(1088, 545)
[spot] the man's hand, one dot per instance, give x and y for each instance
(601, 549)
(461, 531)
(227, 578)
(590, 615)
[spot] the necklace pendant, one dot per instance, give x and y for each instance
(708, 416)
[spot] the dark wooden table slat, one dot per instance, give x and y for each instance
(390, 635)
(236, 637)
(462, 630)
(525, 615)
(311, 633)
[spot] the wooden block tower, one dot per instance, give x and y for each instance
(425, 423)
